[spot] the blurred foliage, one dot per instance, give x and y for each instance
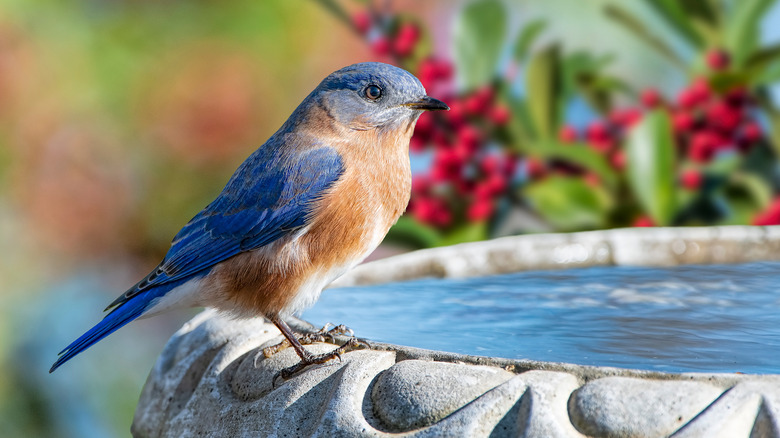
(506, 145)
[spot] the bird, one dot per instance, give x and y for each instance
(305, 207)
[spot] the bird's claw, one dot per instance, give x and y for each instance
(326, 334)
(315, 359)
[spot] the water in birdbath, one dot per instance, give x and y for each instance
(716, 318)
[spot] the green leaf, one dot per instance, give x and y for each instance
(582, 75)
(651, 150)
(520, 126)
(745, 195)
(544, 91)
(758, 189)
(701, 10)
(743, 29)
(773, 115)
(569, 203)
(470, 232)
(727, 80)
(760, 61)
(479, 36)
(740, 211)
(526, 38)
(768, 76)
(638, 28)
(581, 155)
(408, 231)
(675, 15)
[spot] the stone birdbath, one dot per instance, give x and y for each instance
(212, 379)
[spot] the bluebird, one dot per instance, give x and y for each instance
(309, 204)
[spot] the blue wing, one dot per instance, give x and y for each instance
(271, 195)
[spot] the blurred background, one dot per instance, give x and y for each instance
(119, 120)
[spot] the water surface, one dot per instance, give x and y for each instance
(717, 318)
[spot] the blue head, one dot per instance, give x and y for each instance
(374, 95)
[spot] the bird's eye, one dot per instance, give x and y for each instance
(373, 92)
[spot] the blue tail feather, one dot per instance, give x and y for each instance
(120, 316)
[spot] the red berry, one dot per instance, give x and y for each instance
(417, 144)
(469, 135)
(752, 132)
(497, 184)
(489, 164)
(703, 146)
(682, 122)
(423, 209)
(480, 210)
(421, 183)
(457, 112)
(737, 96)
(618, 160)
(723, 117)
(485, 94)
(535, 168)
(409, 31)
(691, 179)
(447, 165)
(443, 216)
(464, 150)
(626, 117)
(500, 115)
(567, 134)
(381, 45)
(444, 69)
(428, 72)
(406, 39)
(686, 99)
(483, 190)
(440, 139)
(698, 92)
(362, 21)
(650, 98)
(643, 221)
(771, 216)
(718, 59)
(701, 89)
(424, 124)
(479, 101)
(510, 165)
(597, 131)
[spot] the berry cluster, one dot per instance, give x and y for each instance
(386, 37)
(474, 169)
(705, 122)
(467, 178)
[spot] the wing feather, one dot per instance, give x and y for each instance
(270, 196)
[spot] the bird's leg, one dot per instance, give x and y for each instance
(306, 357)
(327, 334)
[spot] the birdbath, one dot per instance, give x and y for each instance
(605, 333)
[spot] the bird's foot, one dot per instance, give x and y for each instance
(327, 334)
(313, 359)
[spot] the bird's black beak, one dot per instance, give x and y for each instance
(428, 103)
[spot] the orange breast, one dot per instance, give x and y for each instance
(362, 206)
